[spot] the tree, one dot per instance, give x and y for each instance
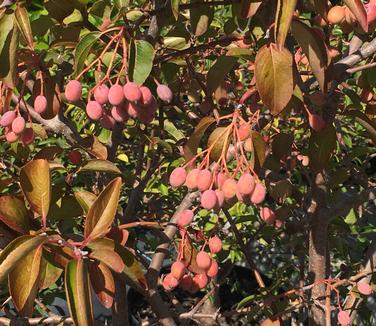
(215, 132)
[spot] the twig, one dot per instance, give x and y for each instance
(360, 68)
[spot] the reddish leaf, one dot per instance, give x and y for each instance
(358, 10)
(285, 11)
(92, 145)
(23, 23)
(85, 199)
(259, 149)
(50, 271)
(14, 214)
(219, 70)
(118, 235)
(249, 8)
(103, 283)
(274, 77)
(321, 7)
(281, 145)
(189, 255)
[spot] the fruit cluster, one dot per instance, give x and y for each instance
(16, 128)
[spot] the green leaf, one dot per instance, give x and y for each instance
(274, 77)
(50, 271)
(175, 8)
(83, 49)
(120, 4)
(85, 199)
(103, 283)
(23, 23)
(101, 214)
(173, 131)
(99, 166)
(351, 217)
(358, 10)
(285, 11)
(219, 141)
(14, 213)
(259, 148)
(78, 292)
(6, 26)
(24, 282)
(201, 18)
(219, 70)
(143, 61)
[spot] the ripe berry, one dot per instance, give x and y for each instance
(146, 96)
(208, 199)
(213, 269)
(316, 122)
(177, 177)
(119, 113)
(108, 122)
(169, 282)
(246, 184)
(336, 15)
(7, 118)
(177, 270)
(132, 92)
(133, 110)
(219, 180)
(186, 282)
(192, 179)
(343, 318)
(73, 91)
(215, 244)
(204, 180)
(27, 137)
(185, 218)
(18, 125)
(203, 260)
(244, 131)
(164, 93)
(11, 137)
(116, 95)
(74, 157)
(94, 110)
(364, 288)
(220, 198)
(40, 104)
(229, 188)
(200, 280)
(267, 215)
(258, 194)
(101, 94)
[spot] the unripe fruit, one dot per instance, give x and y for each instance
(164, 93)
(203, 260)
(11, 137)
(116, 95)
(146, 96)
(213, 269)
(186, 282)
(220, 198)
(73, 91)
(177, 270)
(27, 137)
(94, 110)
(336, 15)
(343, 318)
(40, 104)
(133, 110)
(74, 157)
(219, 180)
(108, 122)
(7, 118)
(229, 188)
(101, 94)
(119, 113)
(204, 180)
(248, 145)
(192, 179)
(200, 280)
(244, 131)
(177, 177)
(18, 125)
(170, 282)
(208, 199)
(215, 244)
(267, 215)
(316, 122)
(185, 218)
(132, 92)
(364, 288)
(246, 184)
(258, 194)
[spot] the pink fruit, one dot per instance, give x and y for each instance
(343, 318)
(74, 157)
(119, 113)
(213, 269)
(18, 125)
(101, 94)
(164, 93)
(192, 179)
(108, 122)
(215, 244)
(27, 137)
(258, 194)
(248, 145)
(170, 282)
(229, 188)
(316, 122)
(267, 215)
(115, 94)
(94, 110)
(177, 177)
(147, 113)
(220, 178)
(11, 137)
(244, 131)
(177, 270)
(146, 96)
(73, 91)
(133, 110)
(132, 92)
(40, 104)
(208, 199)
(336, 15)
(220, 198)
(7, 118)
(185, 218)
(364, 288)
(203, 260)
(204, 180)
(246, 184)
(200, 280)
(186, 282)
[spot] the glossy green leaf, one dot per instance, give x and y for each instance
(218, 142)
(83, 49)
(99, 166)
(120, 4)
(14, 213)
(285, 11)
(358, 10)
(23, 23)
(143, 61)
(103, 283)
(219, 70)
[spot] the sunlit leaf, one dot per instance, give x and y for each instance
(285, 11)
(50, 271)
(218, 142)
(103, 283)
(83, 49)
(358, 10)
(85, 199)
(99, 166)
(143, 61)
(23, 23)
(201, 17)
(14, 214)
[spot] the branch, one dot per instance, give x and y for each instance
(55, 320)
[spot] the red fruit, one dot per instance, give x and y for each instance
(208, 199)
(177, 177)
(204, 180)
(229, 188)
(74, 157)
(316, 122)
(215, 244)
(336, 15)
(146, 96)
(246, 184)
(203, 260)
(186, 282)
(185, 218)
(132, 92)
(200, 280)
(177, 270)
(119, 113)
(364, 288)
(343, 318)
(267, 215)
(18, 125)
(40, 104)
(108, 122)
(133, 110)
(220, 178)
(220, 198)
(258, 194)
(94, 110)
(164, 93)
(213, 269)
(7, 118)
(192, 179)
(248, 145)
(101, 94)
(170, 282)
(27, 137)
(244, 131)
(11, 137)
(115, 94)
(73, 91)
